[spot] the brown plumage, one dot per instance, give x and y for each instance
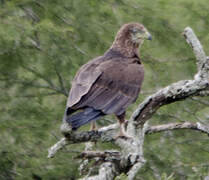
(110, 83)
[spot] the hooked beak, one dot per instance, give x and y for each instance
(148, 36)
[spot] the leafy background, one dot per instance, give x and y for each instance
(42, 45)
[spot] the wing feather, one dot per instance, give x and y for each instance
(114, 88)
(83, 81)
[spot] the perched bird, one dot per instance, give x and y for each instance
(110, 83)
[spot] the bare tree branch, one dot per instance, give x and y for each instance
(197, 48)
(107, 171)
(173, 126)
(134, 170)
(105, 134)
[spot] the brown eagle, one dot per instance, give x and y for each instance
(110, 83)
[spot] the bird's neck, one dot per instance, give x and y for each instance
(126, 47)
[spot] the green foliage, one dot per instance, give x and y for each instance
(42, 45)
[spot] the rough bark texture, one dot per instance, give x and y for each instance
(171, 126)
(130, 159)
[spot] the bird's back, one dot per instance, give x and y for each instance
(116, 87)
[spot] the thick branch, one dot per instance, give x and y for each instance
(134, 170)
(59, 145)
(107, 171)
(175, 92)
(94, 135)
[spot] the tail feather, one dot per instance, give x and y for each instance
(81, 118)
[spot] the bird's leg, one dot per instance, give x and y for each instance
(93, 126)
(122, 123)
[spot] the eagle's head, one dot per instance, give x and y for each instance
(138, 33)
(130, 37)
(133, 31)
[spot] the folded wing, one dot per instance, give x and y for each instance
(110, 86)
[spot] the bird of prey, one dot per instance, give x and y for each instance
(110, 83)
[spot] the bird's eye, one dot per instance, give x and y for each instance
(134, 30)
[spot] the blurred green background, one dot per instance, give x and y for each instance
(42, 45)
